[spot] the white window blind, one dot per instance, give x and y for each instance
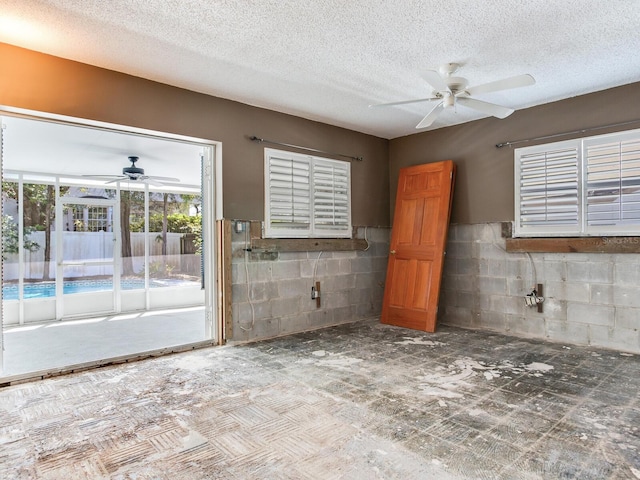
(613, 183)
(579, 187)
(548, 189)
(306, 196)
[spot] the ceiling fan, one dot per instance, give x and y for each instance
(449, 91)
(134, 174)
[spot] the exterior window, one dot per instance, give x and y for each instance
(92, 219)
(306, 196)
(582, 187)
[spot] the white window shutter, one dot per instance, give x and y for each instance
(548, 190)
(288, 188)
(306, 196)
(613, 184)
(331, 199)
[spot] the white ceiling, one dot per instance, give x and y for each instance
(327, 60)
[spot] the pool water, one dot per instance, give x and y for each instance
(48, 289)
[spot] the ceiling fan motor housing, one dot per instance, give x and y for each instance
(133, 171)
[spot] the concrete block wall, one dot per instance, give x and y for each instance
(271, 292)
(590, 299)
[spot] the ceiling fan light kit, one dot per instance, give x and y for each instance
(448, 91)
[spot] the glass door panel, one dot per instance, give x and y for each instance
(89, 255)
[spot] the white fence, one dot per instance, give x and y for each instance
(94, 246)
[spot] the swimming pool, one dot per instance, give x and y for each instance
(48, 289)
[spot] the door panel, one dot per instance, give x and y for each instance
(88, 257)
(418, 240)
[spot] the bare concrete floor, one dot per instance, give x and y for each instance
(358, 401)
(54, 345)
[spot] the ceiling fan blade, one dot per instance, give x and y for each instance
(504, 84)
(151, 181)
(431, 116)
(117, 179)
(485, 107)
(103, 177)
(434, 79)
(404, 102)
(162, 179)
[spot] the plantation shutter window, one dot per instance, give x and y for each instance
(613, 184)
(306, 196)
(582, 187)
(548, 181)
(331, 212)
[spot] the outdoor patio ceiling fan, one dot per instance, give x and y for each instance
(134, 174)
(449, 91)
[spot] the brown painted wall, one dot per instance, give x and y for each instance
(485, 185)
(35, 81)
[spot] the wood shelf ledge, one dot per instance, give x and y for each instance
(308, 244)
(574, 245)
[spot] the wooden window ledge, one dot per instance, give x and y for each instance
(574, 245)
(303, 244)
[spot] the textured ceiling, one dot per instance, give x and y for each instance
(327, 60)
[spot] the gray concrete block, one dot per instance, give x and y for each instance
(294, 323)
(490, 250)
(625, 296)
(572, 333)
(379, 264)
(492, 285)
(518, 268)
(283, 307)
(590, 314)
(626, 273)
(497, 267)
(239, 293)
(495, 321)
(552, 271)
(294, 288)
(361, 265)
(628, 318)
(601, 294)
(339, 283)
(283, 270)
(578, 292)
(335, 299)
(467, 283)
(359, 296)
(555, 289)
(344, 315)
(456, 316)
(552, 308)
(527, 327)
(321, 318)
(468, 300)
(265, 328)
(365, 310)
(616, 338)
(467, 266)
(258, 271)
(517, 287)
(591, 271)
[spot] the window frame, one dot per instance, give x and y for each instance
(318, 168)
(585, 225)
